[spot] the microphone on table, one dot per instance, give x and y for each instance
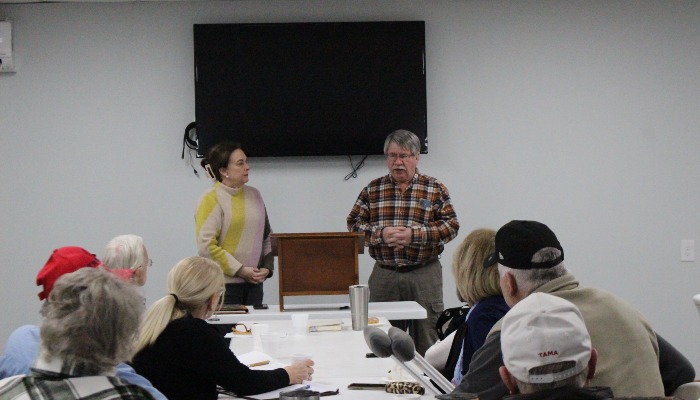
(378, 341)
(380, 344)
(403, 348)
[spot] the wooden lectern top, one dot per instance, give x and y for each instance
(359, 237)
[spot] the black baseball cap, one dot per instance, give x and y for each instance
(518, 241)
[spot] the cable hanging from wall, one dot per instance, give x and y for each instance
(355, 168)
(189, 140)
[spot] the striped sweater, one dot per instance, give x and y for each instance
(232, 229)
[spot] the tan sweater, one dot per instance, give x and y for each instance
(232, 229)
(628, 353)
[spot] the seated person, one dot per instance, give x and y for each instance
(184, 356)
(633, 360)
(547, 351)
(91, 320)
(128, 257)
(479, 288)
(22, 346)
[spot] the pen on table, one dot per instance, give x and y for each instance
(257, 364)
(344, 308)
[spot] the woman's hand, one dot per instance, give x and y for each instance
(252, 274)
(300, 371)
(261, 274)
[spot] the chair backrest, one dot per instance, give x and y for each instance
(449, 320)
(696, 299)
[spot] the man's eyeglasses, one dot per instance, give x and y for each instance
(394, 156)
(240, 328)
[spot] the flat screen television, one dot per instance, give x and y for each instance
(309, 89)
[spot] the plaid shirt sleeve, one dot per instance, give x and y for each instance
(359, 219)
(442, 224)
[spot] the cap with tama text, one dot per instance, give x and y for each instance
(518, 241)
(540, 330)
(63, 261)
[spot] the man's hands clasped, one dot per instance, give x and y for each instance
(397, 236)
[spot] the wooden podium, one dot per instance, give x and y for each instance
(316, 263)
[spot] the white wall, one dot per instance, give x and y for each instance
(583, 115)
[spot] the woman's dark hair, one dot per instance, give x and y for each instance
(218, 157)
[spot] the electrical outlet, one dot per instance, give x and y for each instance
(687, 250)
(6, 64)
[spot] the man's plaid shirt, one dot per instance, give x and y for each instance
(425, 207)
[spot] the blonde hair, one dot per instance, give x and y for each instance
(473, 281)
(193, 280)
(124, 252)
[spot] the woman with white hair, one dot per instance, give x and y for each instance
(91, 320)
(127, 255)
(184, 356)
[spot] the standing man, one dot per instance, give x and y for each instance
(407, 218)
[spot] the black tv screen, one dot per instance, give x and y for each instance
(309, 89)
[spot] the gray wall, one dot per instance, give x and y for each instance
(583, 115)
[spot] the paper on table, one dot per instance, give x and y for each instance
(238, 335)
(254, 357)
(325, 325)
(324, 322)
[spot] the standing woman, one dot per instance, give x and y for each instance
(184, 356)
(232, 227)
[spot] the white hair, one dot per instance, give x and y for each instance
(530, 279)
(578, 380)
(124, 252)
(91, 321)
(404, 139)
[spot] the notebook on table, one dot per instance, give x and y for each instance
(232, 309)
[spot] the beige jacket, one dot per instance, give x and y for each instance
(628, 353)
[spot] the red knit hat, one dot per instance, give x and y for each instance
(64, 261)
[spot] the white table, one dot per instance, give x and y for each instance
(394, 310)
(340, 358)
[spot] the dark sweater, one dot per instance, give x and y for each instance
(189, 359)
(472, 333)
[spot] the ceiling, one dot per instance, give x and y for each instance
(86, 1)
